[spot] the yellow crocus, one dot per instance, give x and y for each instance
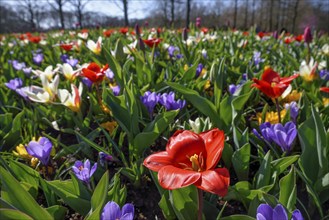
(271, 117)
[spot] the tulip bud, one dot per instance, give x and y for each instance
(308, 35)
(275, 35)
(184, 34)
(137, 31)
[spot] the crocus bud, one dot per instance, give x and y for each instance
(308, 35)
(184, 34)
(137, 30)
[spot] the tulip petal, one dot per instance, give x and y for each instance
(215, 181)
(182, 145)
(171, 177)
(158, 160)
(214, 141)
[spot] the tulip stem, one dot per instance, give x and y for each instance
(200, 203)
(278, 109)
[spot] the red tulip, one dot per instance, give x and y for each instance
(66, 47)
(124, 30)
(35, 39)
(94, 73)
(152, 42)
(271, 84)
(324, 89)
(189, 159)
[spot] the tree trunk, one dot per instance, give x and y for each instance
(60, 10)
(125, 9)
(253, 12)
(172, 9)
(278, 15)
(188, 8)
(235, 12)
(30, 9)
(246, 15)
(271, 15)
(295, 16)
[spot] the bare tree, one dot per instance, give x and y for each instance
(29, 5)
(271, 15)
(188, 9)
(253, 12)
(57, 5)
(295, 16)
(79, 5)
(246, 15)
(235, 12)
(172, 10)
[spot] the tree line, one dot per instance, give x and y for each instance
(266, 15)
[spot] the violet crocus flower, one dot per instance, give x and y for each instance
(40, 149)
(17, 65)
(73, 62)
(266, 212)
(257, 59)
(324, 74)
(109, 74)
(104, 158)
(38, 58)
(169, 102)
(82, 170)
(293, 110)
(283, 136)
(150, 99)
(199, 70)
(116, 90)
(64, 57)
(87, 82)
(27, 70)
(111, 211)
(172, 50)
(14, 84)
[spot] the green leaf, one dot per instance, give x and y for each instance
(282, 164)
(99, 196)
(65, 190)
(117, 193)
(184, 202)
(190, 73)
(238, 217)
(57, 211)
(288, 191)
(314, 158)
(10, 214)
(13, 193)
(115, 67)
(263, 175)
(153, 130)
(240, 161)
(166, 207)
(205, 106)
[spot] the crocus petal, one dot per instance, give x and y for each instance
(127, 212)
(215, 181)
(171, 177)
(297, 215)
(34, 149)
(158, 160)
(93, 169)
(86, 164)
(214, 142)
(266, 211)
(260, 217)
(183, 145)
(280, 213)
(111, 211)
(78, 163)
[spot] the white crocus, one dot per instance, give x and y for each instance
(71, 100)
(48, 72)
(307, 71)
(96, 48)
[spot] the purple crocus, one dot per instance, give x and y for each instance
(324, 74)
(14, 84)
(199, 70)
(293, 110)
(150, 99)
(172, 50)
(38, 58)
(104, 158)
(27, 70)
(109, 74)
(283, 136)
(17, 65)
(87, 82)
(116, 90)
(40, 149)
(169, 102)
(111, 211)
(64, 57)
(257, 59)
(73, 62)
(82, 170)
(266, 212)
